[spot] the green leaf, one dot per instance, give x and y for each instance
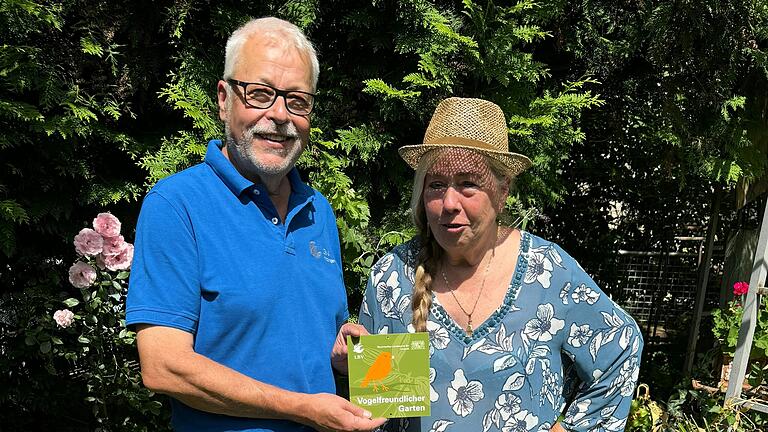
(734, 104)
(762, 342)
(12, 211)
(30, 340)
(90, 46)
(45, 347)
(20, 111)
(83, 340)
(122, 275)
(379, 88)
(71, 302)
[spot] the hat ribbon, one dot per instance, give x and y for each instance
(462, 141)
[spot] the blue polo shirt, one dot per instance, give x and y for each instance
(263, 297)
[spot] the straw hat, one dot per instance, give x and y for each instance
(474, 124)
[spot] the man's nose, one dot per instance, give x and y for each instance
(278, 112)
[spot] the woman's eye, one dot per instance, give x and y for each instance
(436, 185)
(468, 184)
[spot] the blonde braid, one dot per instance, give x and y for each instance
(421, 300)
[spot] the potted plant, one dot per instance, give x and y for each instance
(726, 329)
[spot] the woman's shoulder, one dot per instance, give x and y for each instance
(532, 241)
(548, 253)
(404, 253)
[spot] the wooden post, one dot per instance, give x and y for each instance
(701, 293)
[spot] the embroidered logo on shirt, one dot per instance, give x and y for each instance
(313, 249)
(318, 252)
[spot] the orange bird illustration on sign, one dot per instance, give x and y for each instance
(379, 370)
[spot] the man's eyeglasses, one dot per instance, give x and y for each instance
(263, 96)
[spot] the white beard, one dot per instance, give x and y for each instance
(246, 160)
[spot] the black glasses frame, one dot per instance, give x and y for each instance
(278, 93)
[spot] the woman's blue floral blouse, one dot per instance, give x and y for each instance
(556, 338)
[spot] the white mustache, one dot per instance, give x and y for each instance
(288, 130)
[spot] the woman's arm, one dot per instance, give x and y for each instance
(605, 344)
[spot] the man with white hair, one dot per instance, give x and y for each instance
(236, 288)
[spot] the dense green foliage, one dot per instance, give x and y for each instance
(684, 113)
(644, 105)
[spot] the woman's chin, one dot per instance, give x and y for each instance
(452, 241)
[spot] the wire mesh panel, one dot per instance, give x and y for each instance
(659, 287)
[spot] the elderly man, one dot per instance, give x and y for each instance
(237, 289)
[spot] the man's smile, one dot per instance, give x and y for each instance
(275, 137)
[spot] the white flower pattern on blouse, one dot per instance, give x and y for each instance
(511, 375)
(387, 293)
(433, 396)
(462, 395)
(378, 269)
(563, 293)
(440, 425)
(584, 293)
(545, 325)
(539, 270)
(522, 421)
(580, 334)
(507, 404)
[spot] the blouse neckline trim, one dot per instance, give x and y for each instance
(507, 305)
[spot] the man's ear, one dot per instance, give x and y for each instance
(223, 94)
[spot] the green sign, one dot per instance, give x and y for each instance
(389, 374)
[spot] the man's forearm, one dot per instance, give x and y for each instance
(209, 386)
(170, 366)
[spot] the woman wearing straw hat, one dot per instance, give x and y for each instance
(505, 309)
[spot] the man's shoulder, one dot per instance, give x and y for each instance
(183, 182)
(319, 197)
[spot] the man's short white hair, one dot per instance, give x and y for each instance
(269, 27)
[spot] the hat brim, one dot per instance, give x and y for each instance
(514, 162)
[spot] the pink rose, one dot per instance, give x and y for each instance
(740, 288)
(100, 262)
(88, 242)
(82, 275)
(113, 245)
(107, 225)
(64, 318)
(121, 261)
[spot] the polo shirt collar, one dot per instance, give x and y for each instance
(236, 183)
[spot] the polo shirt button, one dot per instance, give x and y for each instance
(275, 220)
(256, 192)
